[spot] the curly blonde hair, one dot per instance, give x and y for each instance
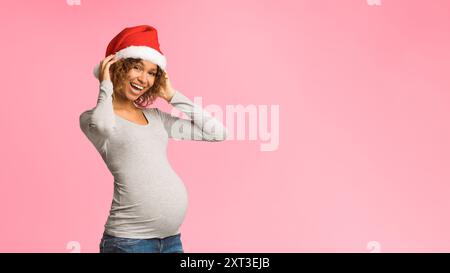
(119, 71)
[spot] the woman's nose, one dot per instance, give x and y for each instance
(142, 78)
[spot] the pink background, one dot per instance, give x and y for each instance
(364, 146)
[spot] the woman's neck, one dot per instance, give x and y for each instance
(123, 105)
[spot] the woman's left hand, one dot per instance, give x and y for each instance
(166, 91)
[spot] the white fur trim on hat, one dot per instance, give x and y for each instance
(139, 52)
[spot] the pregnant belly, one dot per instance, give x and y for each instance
(154, 208)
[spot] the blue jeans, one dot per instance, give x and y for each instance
(111, 244)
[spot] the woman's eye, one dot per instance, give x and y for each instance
(152, 73)
(137, 67)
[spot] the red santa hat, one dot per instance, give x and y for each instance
(140, 42)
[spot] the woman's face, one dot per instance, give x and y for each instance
(140, 78)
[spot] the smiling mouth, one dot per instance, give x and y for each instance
(136, 88)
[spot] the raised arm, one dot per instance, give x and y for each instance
(201, 126)
(99, 122)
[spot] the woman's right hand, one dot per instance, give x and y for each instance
(104, 67)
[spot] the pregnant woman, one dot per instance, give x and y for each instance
(150, 199)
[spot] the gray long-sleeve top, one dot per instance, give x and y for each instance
(150, 200)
